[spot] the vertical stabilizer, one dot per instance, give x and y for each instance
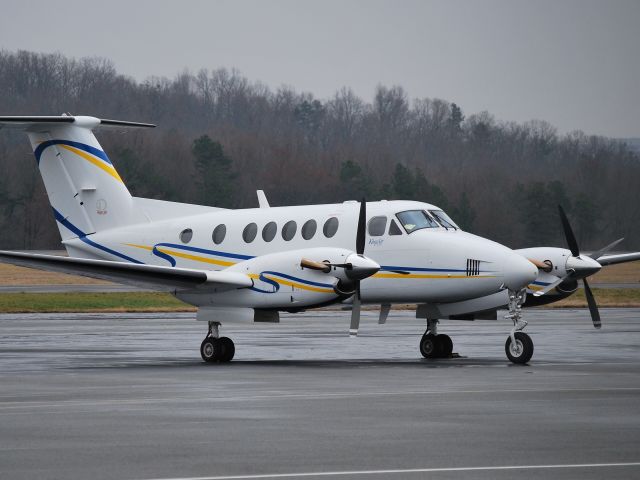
(85, 191)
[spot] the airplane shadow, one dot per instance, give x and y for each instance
(239, 364)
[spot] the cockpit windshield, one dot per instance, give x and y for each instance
(413, 220)
(443, 219)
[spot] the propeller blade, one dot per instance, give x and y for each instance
(593, 306)
(568, 233)
(313, 265)
(362, 226)
(355, 313)
(549, 287)
(602, 251)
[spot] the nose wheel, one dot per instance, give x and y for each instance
(519, 346)
(521, 350)
(216, 349)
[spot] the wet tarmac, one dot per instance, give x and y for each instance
(107, 396)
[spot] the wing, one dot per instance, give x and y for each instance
(623, 257)
(147, 276)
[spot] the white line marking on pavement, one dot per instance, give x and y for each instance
(408, 470)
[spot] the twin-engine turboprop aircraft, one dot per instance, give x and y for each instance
(251, 264)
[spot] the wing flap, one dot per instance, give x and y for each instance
(145, 276)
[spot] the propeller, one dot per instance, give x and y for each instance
(356, 268)
(578, 267)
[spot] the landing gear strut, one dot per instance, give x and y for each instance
(519, 346)
(434, 345)
(215, 348)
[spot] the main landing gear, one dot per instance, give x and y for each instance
(434, 345)
(215, 348)
(519, 346)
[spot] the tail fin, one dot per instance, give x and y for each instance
(85, 191)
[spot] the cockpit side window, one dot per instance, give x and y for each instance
(413, 220)
(394, 229)
(443, 219)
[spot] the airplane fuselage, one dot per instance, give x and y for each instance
(427, 265)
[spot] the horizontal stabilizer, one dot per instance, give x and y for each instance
(144, 276)
(81, 121)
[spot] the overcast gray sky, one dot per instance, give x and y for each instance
(574, 63)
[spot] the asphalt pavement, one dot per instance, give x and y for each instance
(108, 396)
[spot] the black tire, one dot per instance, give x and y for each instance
(446, 345)
(210, 350)
(228, 349)
(524, 350)
(430, 347)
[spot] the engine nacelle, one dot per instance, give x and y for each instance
(554, 258)
(280, 282)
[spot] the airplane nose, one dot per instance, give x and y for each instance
(518, 272)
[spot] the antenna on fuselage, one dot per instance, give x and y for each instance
(262, 199)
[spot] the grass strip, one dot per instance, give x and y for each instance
(91, 302)
(605, 297)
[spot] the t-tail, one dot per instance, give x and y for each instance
(85, 191)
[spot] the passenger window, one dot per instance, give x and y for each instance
(394, 229)
(269, 231)
(219, 233)
(309, 229)
(289, 230)
(249, 233)
(413, 220)
(186, 235)
(377, 226)
(330, 227)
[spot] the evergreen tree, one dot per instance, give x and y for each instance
(214, 169)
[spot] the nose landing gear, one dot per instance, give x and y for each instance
(434, 345)
(519, 346)
(214, 348)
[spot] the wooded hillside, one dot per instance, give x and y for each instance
(221, 136)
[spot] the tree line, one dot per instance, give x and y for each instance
(221, 136)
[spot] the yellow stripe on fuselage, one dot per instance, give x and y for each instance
(187, 256)
(98, 163)
(289, 283)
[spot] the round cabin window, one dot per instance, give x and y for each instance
(186, 235)
(269, 231)
(289, 230)
(330, 227)
(249, 233)
(218, 234)
(309, 229)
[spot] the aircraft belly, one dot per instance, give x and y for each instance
(421, 290)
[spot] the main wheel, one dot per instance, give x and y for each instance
(211, 350)
(446, 345)
(522, 350)
(228, 349)
(430, 347)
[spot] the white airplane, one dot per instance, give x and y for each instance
(250, 264)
